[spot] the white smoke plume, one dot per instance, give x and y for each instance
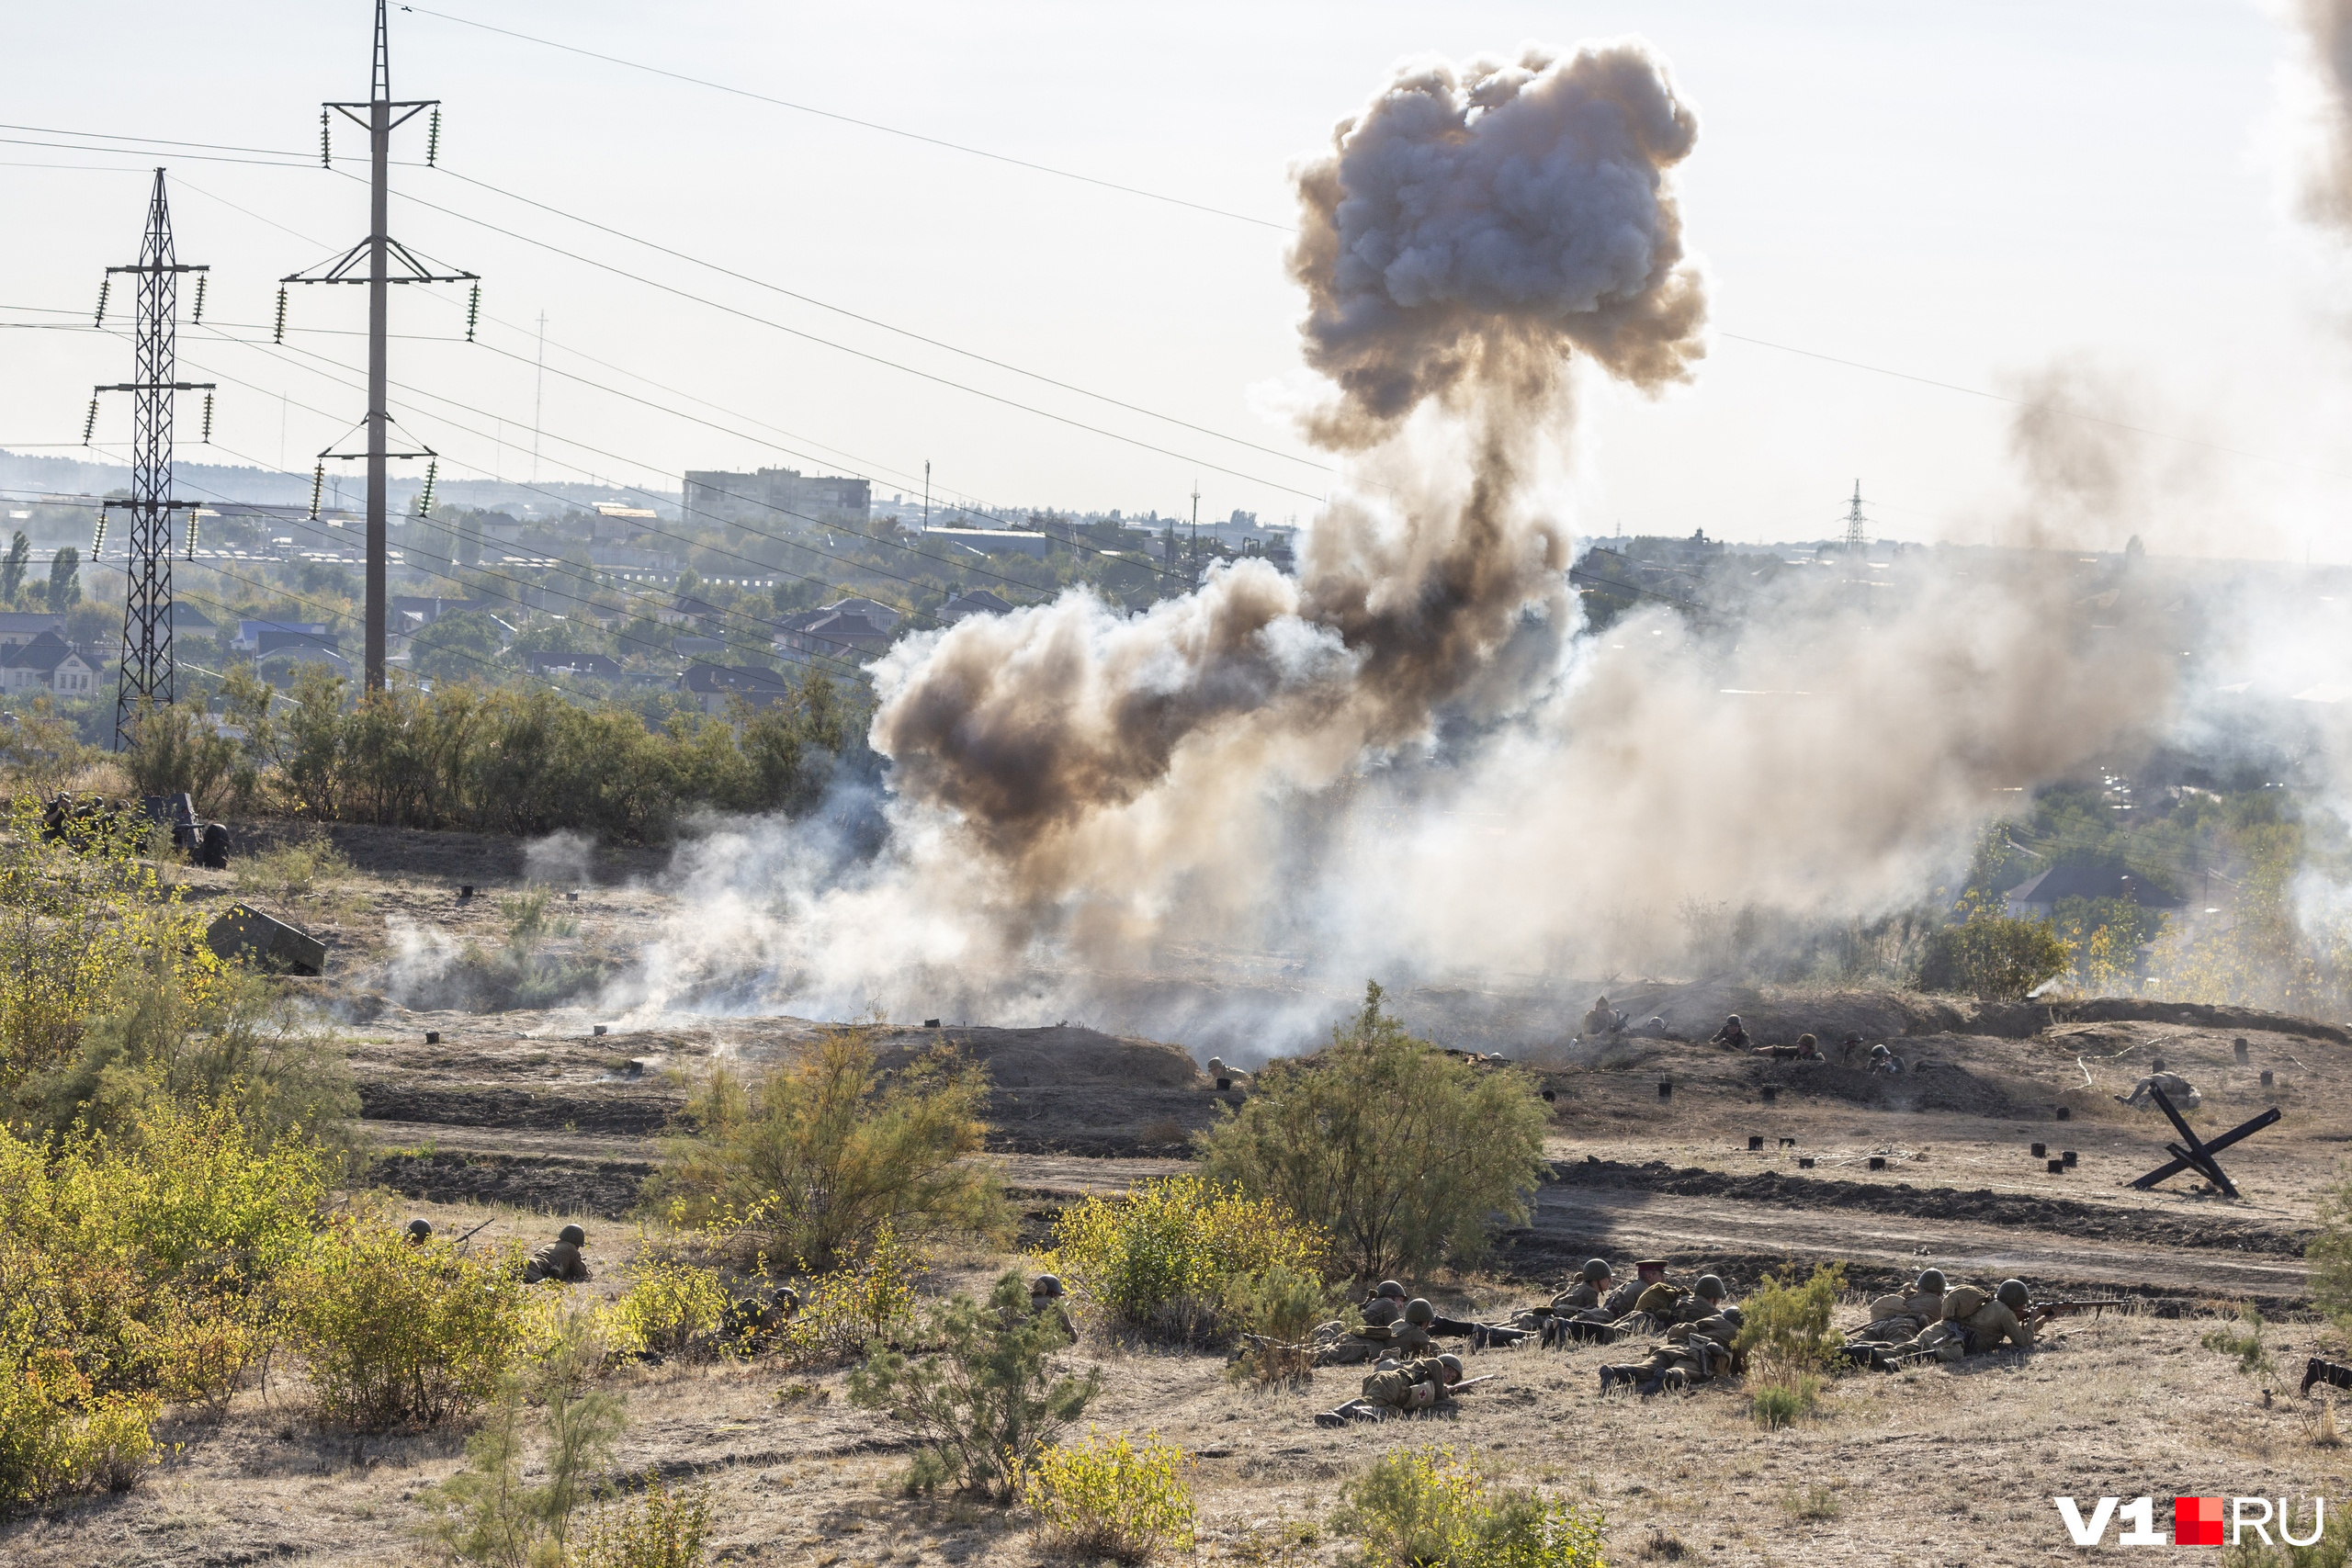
(1416, 760)
(2327, 189)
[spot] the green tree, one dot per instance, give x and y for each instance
(65, 578)
(12, 569)
(1993, 956)
(1406, 1155)
(458, 646)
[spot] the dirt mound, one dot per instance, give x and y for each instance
(2061, 1215)
(1053, 1056)
(625, 1109)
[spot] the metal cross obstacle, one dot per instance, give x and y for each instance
(2199, 1156)
(145, 675)
(381, 252)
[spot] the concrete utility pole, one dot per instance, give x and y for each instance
(145, 675)
(382, 253)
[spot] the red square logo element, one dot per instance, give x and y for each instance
(2197, 1521)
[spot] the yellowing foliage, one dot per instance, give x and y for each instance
(1163, 1257)
(1111, 1499)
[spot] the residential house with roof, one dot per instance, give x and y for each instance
(2038, 897)
(49, 663)
(20, 626)
(713, 686)
(972, 601)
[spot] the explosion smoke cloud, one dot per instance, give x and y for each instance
(1467, 230)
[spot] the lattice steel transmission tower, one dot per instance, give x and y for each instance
(381, 253)
(1856, 540)
(146, 672)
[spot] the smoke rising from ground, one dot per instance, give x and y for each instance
(1418, 759)
(1467, 230)
(2327, 189)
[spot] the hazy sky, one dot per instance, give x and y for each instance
(1968, 195)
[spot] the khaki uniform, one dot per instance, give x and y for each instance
(557, 1261)
(1414, 1385)
(1578, 1297)
(1701, 1349)
(1337, 1347)
(1409, 1341)
(1986, 1329)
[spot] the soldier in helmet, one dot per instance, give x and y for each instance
(1582, 1303)
(1972, 1325)
(1695, 1351)
(1409, 1338)
(419, 1232)
(1898, 1318)
(1046, 1300)
(1335, 1347)
(559, 1259)
(1399, 1390)
(1733, 1035)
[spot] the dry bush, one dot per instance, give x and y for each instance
(1111, 1499)
(868, 1303)
(396, 1334)
(671, 1308)
(1423, 1508)
(653, 1528)
(1274, 1309)
(1163, 1257)
(800, 1170)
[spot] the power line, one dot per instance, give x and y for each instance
(886, 326)
(854, 353)
(863, 124)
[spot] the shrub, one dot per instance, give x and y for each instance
(669, 1309)
(1422, 1508)
(1275, 1310)
(2328, 1255)
(803, 1169)
(1111, 1499)
(1815, 1501)
(58, 1437)
(1404, 1156)
(308, 871)
(1786, 1327)
(485, 1513)
(989, 1399)
(394, 1333)
(857, 1305)
(654, 1528)
(1992, 955)
(1783, 1399)
(2253, 1357)
(1162, 1257)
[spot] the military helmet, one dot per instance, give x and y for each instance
(1450, 1363)
(1419, 1312)
(1931, 1280)
(787, 1298)
(1389, 1288)
(1879, 1050)
(420, 1230)
(574, 1235)
(2012, 1294)
(1732, 1019)
(1045, 1285)
(1735, 1317)
(1596, 1269)
(1710, 1287)
(1216, 1063)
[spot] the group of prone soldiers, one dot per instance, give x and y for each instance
(1933, 1321)
(560, 1260)
(1395, 1335)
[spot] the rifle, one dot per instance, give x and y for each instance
(475, 1232)
(1454, 1388)
(2046, 1310)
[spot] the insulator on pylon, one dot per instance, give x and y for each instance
(191, 532)
(326, 144)
(208, 419)
(473, 312)
(425, 496)
(433, 138)
(318, 488)
(196, 316)
(90, 424)
(98, 542)
(106, 287)
(279, 336)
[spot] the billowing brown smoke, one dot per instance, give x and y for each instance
(2327, 195)
(1466, 232)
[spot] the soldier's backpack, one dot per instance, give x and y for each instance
(1659, 1299)
(1964, 1301)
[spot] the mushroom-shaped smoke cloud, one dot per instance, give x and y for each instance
(1466, 230)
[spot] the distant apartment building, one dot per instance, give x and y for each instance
(782, 501)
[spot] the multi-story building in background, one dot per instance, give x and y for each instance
(782, 501)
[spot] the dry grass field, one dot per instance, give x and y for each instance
(526, 1116)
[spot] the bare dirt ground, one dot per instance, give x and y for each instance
(523, 1117)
